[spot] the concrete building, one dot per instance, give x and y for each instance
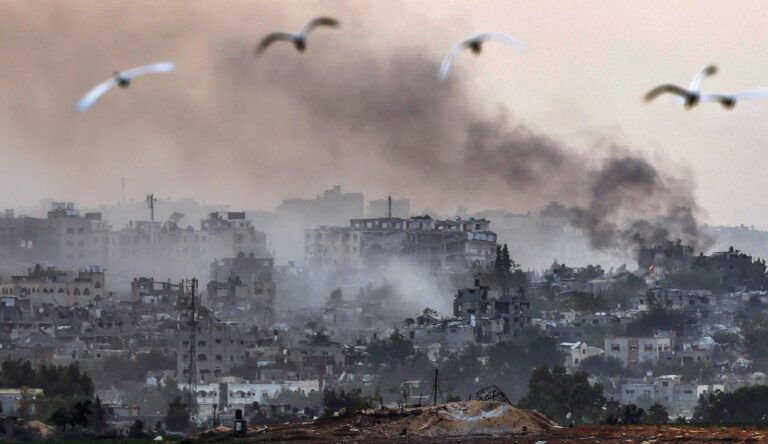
(633, 351)
(451, 335)
(11, 398)
(53, 286)
(218, 348)
(332, 208)
(679, 397)
(576, 352)
(64, 238)
(243, 283)
(448, 244)
(511, 312)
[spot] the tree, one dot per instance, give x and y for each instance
(462, 373)
(510, 362)
(756, 340)
(392, 351)
(745, 406)
(60, 418)
(98, 419)
(345, 403)
(80, 412)
(137, 429)
(658, 319)
(564, 397)
(657, 414)
(607, 366)
(632, 414)
(177, 417)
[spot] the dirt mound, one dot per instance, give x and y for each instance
(454, 420)
(477, 418)
(44, 430)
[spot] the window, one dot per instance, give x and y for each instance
(632, 347)
(648, 347)
(615, 347)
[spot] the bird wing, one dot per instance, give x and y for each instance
(736, 96)
(499, 37)
(445, 66)
(149, 69)
(705, 71)
(272, 38)
(319, 21)
(750, 94)
(663, 89)
(93, 95)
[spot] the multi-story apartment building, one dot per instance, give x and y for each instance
(219, 346)
(52, 286)
(67, 240)
(446, 244)
(633, 351)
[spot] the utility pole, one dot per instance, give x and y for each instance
(434, 391)
(389, 206)
(192, 362)
(151, 204)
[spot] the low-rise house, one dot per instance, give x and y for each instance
(576, 352)
(12, 399)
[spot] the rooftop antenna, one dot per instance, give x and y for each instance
(151, 204)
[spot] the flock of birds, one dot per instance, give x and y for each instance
(689, 97)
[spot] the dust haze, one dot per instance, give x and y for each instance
(286, 124)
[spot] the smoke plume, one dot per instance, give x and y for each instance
(250, 131)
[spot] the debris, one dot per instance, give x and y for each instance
(492, 393)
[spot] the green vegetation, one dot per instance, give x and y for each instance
(564, 397)
(745, 406)
(118, 368)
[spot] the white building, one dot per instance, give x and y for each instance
(576, 352)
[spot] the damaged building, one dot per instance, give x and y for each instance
(366, 243)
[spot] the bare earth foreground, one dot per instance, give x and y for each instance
(475, 421)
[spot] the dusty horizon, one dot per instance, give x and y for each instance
(233, 129)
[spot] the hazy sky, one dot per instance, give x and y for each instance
(230, 128)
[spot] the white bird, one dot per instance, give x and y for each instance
(690, 96)
(476, 45)
(299, 39)
(728, 100)
(123, 80)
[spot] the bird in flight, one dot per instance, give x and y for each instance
(299, 39)
(728, 100)
(122, 79)
(690, 96)
(476, 45)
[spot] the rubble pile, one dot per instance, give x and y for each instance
(477, 418)
(451, 420)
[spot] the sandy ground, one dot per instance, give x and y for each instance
(476, 421)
